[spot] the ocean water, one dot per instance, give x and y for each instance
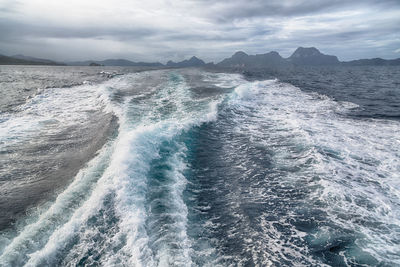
(128, 167)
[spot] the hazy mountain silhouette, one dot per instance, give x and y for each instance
(373, 62)
(302, 56)
(25, 60)
(116, 62)
(34, 59)
(242, 60)
(192, 62)
(311, 56)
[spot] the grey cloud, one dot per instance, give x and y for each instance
(237, 9)
(18, 30)
(218, 29)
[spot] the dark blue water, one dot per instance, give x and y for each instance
(211, 169)
(375, 89)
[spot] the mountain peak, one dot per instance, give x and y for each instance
(192, 62)
(270, 55)
(240, 54)
(306, 52)
(195, 59)
(242, 60)
(311, 56)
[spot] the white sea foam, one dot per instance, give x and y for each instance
(32, 236)
(224, 80)
(49, 112)
(175, 246)
(357, 160)
(59, 107)
(348, 155)
(125, 178)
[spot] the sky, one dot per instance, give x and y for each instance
(160, 30)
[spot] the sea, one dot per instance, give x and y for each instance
(119, 166)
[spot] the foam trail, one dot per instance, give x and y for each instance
(125, 182)
(49, 111)
(357, 173)
(35, 235)
(57, 104)
(167, 212)
(279, 177)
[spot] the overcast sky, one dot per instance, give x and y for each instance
(159, 30)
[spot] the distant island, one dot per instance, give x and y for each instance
(192, 62)
(26, 60)
(115, 62)
(309, 56)
(94, 64)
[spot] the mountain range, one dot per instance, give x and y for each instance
(25, 60)
(310, 56)
(192, 62)
(115, 62)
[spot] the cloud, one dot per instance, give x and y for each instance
(211, 29)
